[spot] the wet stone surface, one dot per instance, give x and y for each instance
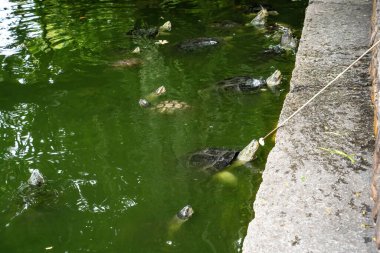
(316, 184)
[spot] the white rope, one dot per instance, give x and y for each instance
(317, 94)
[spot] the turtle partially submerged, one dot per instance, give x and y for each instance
(36, 178)
(166, 106)
(127, 63)
(170, 106)
(150, 32)
(199, 43)
(224, 24)
(181, 217)
(288, 42)
(212, 159)
(151, 97)
(216, 159)
(35, 191)
(248, 83)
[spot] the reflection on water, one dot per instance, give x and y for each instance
(115, 172)
(17, 124)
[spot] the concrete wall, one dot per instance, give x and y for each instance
(374, 70)
(315, 194)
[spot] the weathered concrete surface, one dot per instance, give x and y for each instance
(312, 200)
(375, 70)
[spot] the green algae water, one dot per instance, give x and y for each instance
(115, 172)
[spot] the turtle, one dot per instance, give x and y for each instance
(248, 83)
(288, 42)
(274, 79)
(127, 63)
(166, 106)
(146, 102)
(169, 106)
(181, 217)
(199, 43)
(216, 159)
(35, 190)
(150, 32)
(212, 159)
(224, 24)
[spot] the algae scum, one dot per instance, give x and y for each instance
(114, 172)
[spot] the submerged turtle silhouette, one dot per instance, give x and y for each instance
(225, 24)
(199, 43)
(127, 63)
(150, 32)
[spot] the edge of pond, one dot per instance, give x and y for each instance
(315, 193)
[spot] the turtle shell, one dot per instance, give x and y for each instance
(169, 106)
(225, 24)
(241, 84)
(144, 32)
(198, 43)
(212, 159)
(127, 63)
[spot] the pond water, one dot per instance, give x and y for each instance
(115, 173)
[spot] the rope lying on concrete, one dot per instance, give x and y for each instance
(318, 93)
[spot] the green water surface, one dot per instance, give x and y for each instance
(115, 172)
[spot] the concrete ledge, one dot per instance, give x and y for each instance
(312, 199)
(374, 70)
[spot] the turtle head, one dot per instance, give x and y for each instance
(160, 90)
(185, 213)
(274, 79)
(288, 41)
(36, 178)
(260, 19)
(167, 26)
(144, 103)
(248, 153)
